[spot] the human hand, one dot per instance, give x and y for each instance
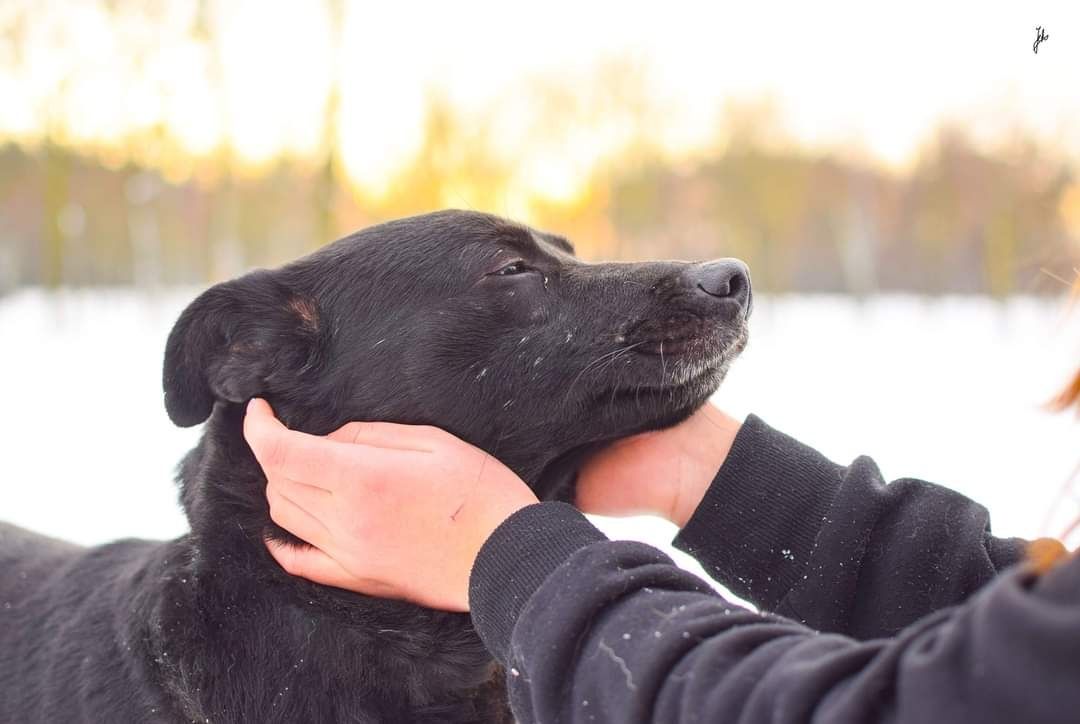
(663, 473)
(397, 511)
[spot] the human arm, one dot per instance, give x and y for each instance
(780, 525)
(593, 630)
(580, 621)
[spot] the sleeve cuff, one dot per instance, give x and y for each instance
(756, 526)
(516, 559)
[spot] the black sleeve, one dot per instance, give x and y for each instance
(836, 547)
(597, 631)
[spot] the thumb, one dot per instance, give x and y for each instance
(262, 430)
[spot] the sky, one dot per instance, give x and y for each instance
(866, 78)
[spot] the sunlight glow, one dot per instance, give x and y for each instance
(557, 89)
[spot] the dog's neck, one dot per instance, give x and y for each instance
(220, 480)
(223, 493)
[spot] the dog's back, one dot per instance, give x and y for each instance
(65, 651)
(130, 632)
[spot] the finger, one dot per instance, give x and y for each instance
(268, 438)
(298, 456)
(310, 563)
(293, 518)
(315, 565)
(311, 498)
(316, 502)
(385, 435)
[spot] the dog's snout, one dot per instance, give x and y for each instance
(723, 279)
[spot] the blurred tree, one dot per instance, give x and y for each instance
(455, 166)
(57, 163)
(587, 161)
(227, 257)
(330, 178)
(860, 238)
(1000, 250)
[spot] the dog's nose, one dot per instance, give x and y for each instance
(724, 279)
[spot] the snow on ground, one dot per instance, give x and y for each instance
(948, 390)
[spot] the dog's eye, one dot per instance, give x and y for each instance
(517, 267)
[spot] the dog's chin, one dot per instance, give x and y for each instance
(676, 372)
(644, 407)
(650, 397)
(621, 412)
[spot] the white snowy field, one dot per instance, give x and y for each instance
(949, 390)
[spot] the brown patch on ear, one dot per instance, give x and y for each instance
(306, 310)
(1045, 553)
(242, 349)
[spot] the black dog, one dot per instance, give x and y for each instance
(483, 327)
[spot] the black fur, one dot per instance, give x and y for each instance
(410, 321)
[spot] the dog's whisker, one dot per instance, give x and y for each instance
(614, 354)
(663, 364)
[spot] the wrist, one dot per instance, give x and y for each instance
(515, 561)
(709, 438)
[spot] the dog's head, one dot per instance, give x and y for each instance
(483, 327)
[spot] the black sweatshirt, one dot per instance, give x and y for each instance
(888, 603)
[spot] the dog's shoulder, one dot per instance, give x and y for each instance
(25, 559)
(72, 621)
(16, 542)
(31, 561)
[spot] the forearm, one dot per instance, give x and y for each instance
(836, 547)
(615, 632)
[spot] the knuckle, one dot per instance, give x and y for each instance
(275, 454)
(275, 512)
(357, 430)
(290, 560)
(357, 529)
(378, 485)
(433, 433)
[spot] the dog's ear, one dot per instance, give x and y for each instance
(238, 340)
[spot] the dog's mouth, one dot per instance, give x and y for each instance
(683, 337)
(671, 346)
(663, 372)
(679, 360)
